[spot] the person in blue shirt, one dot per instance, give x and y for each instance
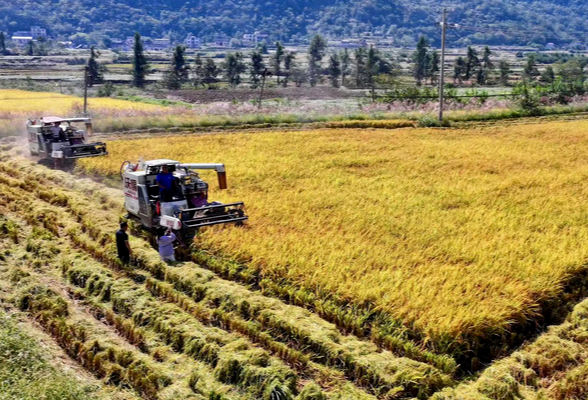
(165, 180)
(166, 245)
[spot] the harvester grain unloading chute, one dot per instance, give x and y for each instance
(62, 139)
(184, 207)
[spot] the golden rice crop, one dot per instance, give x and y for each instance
(455, 232)
(38, 104)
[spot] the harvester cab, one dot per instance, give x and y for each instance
(184, 208)
(62, 139)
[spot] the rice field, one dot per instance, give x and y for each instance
(410, 251)
(154, 331)
(463, 236)
(38, 104)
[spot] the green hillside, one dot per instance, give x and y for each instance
(493, 21)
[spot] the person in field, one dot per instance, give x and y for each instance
(122, 243)
(56, 130)
(165, 180)
(166, 245)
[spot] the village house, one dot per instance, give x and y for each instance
(249, 39)
(192, 42)
(122, 44)
(21, 38)
(252, 39)
(38, 32)
(261, 37)
(222, 41)
(162, 44)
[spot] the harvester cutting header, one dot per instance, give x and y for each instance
(58, 139)
(167, 193)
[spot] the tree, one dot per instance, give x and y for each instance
(548, 76)
(528, 99)
(30, 48)
(571, 71)
(530, 71)
(434, 68)
(376, 66)
(334, 69)
(211, 72)
(179, 70)
(256, 69)
(472, 63)
(289, 64)
(233, 68)
(486, 68)
(345, 66)
(140, 65)
(277, 59)
(359, 61)
(316, 52)
(459, 69)
(262, 47)
(41, 49)
(2, 43)
(95, 70)
(198, 70)
(504, 69)
(421, 59)
(299, 76)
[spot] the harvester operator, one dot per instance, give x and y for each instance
(165, 180)
(56, 130)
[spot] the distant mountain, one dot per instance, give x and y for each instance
(517, 22)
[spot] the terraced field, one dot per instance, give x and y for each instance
(173, 332)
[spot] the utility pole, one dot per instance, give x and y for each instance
(442, 69)
(265, 72)
(86, 70)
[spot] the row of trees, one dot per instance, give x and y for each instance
(360, 68)
(475, 67)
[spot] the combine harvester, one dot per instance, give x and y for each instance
(184, 208)
(60, 141)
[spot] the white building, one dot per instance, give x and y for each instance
(252, 39)
(249, 39)
(222, 41)
(261, 37)
(37, 32)
(192, 42)
(162, 44)
(21, 39)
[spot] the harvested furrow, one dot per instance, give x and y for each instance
(50, 255)
(214, 347)
(84, 340)
(554, 366)
(307, 343)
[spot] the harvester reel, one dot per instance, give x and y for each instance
(122, 168)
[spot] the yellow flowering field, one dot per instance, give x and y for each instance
(37, 104)
(458, 233)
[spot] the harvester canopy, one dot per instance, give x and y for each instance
(184, 205)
